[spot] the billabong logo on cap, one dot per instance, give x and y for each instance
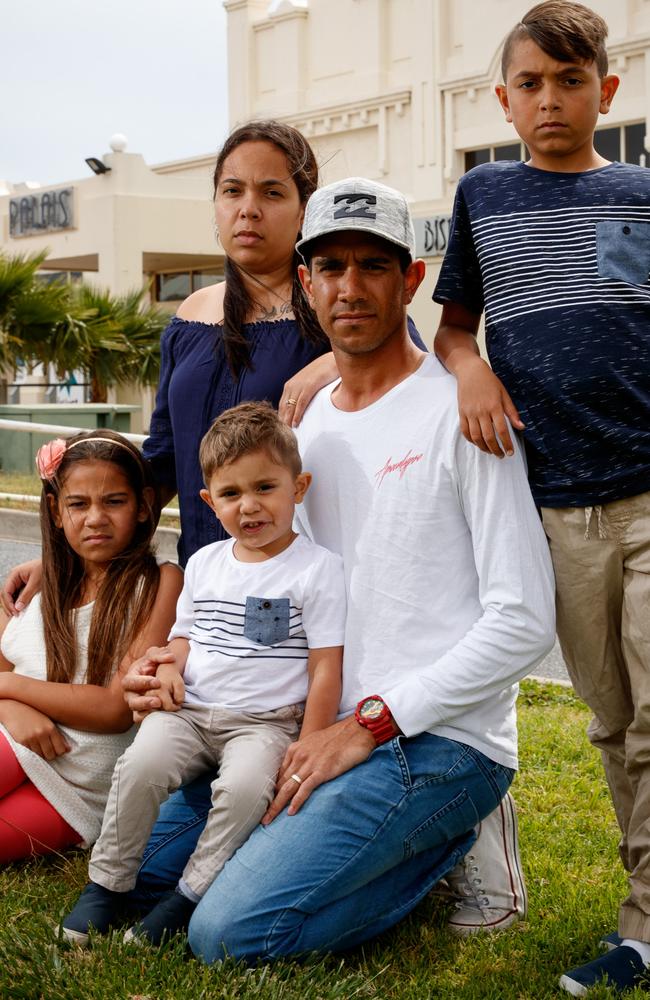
(357, 206)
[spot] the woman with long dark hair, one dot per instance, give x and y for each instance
(244, 338)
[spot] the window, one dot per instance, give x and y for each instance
(171, 287)
(513, 151)
(475, 157)
(624, 143)
(634, 136)
(607, 142)
(201, 279)
(175, 286)
(60, 277)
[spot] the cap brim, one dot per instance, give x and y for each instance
(302, 245)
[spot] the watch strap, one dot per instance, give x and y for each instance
(382, 727)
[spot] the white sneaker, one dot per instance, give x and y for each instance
(487, 885)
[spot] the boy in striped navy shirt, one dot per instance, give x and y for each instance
(556, 252)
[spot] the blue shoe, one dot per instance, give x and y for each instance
(620, 969)
(169, 917)
(96, 907)
(610, 941)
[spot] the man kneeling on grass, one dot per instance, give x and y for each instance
(450, 602)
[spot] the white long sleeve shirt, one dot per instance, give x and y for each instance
(448, 574)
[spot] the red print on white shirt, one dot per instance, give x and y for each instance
(400, 466)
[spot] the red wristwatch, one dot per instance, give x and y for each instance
(374, 715)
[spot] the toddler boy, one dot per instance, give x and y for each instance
(259, 632)
(557, 253)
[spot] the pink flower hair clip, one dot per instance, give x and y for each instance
(49, 456)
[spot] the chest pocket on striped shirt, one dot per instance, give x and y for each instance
(624, 250)
(266, 619)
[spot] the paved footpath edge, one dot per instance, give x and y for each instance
(24, 526)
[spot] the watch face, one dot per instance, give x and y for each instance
(372, 708)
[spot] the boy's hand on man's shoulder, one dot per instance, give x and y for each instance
(483, 406)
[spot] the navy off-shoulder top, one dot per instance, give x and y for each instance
(195, 386)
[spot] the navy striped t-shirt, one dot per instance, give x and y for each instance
(560, 264)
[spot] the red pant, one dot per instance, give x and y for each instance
(28, 823)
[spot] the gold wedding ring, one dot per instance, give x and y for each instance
(291, 402)
(296, 777)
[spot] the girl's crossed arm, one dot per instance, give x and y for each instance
(91, 707)
(26, 725)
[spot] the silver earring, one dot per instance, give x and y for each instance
(216, 231)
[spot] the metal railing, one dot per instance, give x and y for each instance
(27, 426)
(13, 390)
(30, 498)
(62, 429)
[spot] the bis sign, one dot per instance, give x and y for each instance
(41, 213)
(432, 235)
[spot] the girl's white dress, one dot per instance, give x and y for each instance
(76, 783)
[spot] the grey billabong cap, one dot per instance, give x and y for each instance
(362, 206)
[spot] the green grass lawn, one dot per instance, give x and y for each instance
(19, 482)
(568, 837)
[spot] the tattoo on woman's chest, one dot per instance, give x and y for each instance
(266, 314)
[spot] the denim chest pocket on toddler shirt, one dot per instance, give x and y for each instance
(266, 619)
(624, 251)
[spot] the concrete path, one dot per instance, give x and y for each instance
(22, 526)
(553, 668)
(12, 553)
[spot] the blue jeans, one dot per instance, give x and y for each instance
(360, 854)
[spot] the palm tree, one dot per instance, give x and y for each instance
(120, 337)
(30, 312)
(113, 340)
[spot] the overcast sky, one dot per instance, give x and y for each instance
(74, 72)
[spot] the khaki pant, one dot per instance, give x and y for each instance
(601, 558)
(172, 748)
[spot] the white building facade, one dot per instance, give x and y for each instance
(401, 91)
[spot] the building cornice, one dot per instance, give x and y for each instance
(371, 112)
(298, 13)
(351, 115)
(232, 5)
(318, 121)
(195, 162)
(619, 52)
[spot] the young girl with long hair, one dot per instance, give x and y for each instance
(104, 600)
